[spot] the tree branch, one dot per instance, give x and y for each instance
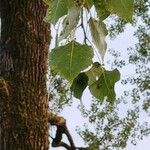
(60, 123)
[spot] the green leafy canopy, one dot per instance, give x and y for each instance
(71, 59)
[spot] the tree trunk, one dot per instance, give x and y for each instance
(23, 64)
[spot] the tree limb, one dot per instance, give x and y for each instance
(60, 123)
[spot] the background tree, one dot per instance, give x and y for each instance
(111, 129)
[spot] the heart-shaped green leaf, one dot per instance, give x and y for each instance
(69, 60)
(88, 3)
(101, 9)
(70, 22)
(123, 8)
(56, 10)
(104, 86)
(98, 33)
(79, 84)
(94, 73)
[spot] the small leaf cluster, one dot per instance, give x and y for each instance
(70, 58)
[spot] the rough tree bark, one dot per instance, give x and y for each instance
(23, 64)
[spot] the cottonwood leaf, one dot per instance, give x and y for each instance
(70, 22)
(56, 10)
(98, 32)
(123, 8)
(88, 3)
(69, 60)
(101, 9)
(48, 2)
(79, 84)
(94, 73)
(104, 86)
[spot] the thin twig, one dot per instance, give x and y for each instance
(82, 26)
